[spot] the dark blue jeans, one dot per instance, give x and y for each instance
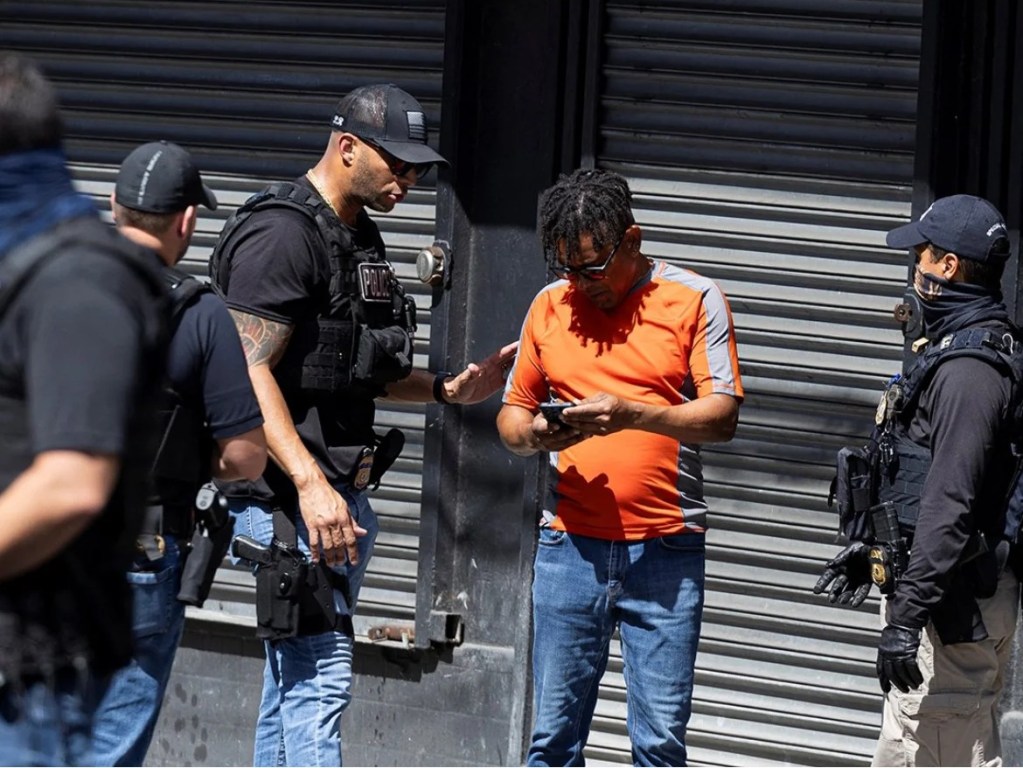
(128, 713)
(582, 589)
(49, 723)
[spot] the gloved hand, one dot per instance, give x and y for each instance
(896, 658)
(848, 572)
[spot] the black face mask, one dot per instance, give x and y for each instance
(949, 306)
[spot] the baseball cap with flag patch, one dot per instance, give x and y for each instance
(388, 117)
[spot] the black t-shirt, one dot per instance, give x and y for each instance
(206, 365)
(280, 270)
(962, 416)
(207, 371)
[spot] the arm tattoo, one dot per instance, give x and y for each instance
(264, 341)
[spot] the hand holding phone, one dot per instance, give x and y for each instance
(552, 412)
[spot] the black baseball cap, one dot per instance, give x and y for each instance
(388, 117)
(160, 177)
(965, 225)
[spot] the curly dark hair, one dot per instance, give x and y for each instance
(593, 202)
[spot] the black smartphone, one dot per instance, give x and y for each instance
(552, 411)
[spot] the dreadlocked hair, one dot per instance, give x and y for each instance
(586, 202)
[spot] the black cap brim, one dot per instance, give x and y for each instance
(906, 236)
(411, 152)
(209, 199)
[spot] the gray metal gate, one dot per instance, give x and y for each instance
(249, 89)
(769, 144)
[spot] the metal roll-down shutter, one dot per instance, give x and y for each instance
(249, 89)
(769, 145)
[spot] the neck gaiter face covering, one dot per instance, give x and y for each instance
(949, 306)
(36, 193)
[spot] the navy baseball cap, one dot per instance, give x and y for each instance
(160, 177)
(965, 225)
(388, 117)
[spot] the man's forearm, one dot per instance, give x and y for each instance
(49, 505)
(282, 439)
(710, 419)
(417, 387)
(242, 457)
(514, 424)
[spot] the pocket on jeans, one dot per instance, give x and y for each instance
(550, 537)
(684, 542)
(153, 596)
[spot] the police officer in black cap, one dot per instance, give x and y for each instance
(211, 427)
(944, 466)
(327, 329)
(81, 353)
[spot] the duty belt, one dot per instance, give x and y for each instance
(164, 520)
(160, 521)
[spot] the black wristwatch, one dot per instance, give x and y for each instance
(438, 387)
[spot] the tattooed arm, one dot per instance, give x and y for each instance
(331, 528)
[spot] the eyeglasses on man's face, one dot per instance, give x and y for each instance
(588, 271)
(398, 167)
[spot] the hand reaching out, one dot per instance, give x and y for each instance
(479, 381)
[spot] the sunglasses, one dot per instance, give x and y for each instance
(589, 271)
(398, 167)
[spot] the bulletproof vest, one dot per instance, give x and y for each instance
(183, 456)
(362, 336)
(903, 465)
(76, 607)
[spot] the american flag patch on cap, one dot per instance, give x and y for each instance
(416, 126)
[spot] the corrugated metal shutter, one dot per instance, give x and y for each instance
(769, 144)
(249, 89)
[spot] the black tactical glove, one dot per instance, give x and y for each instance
(896, 658)
(848, 572)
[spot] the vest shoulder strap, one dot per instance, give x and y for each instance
(183, 289)
(288, 194)
(1003, 350)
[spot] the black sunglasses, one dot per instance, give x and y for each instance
(590, 271)
(399, 167)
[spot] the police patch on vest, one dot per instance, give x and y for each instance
(375, 282)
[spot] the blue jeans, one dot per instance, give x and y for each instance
(307, 680)
(582, 588)
(49, 724)
(126, 717)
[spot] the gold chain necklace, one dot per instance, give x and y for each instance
(318, 188)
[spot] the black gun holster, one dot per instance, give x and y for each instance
(295, 597)
(208, 546)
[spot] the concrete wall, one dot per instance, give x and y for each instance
(409, 707)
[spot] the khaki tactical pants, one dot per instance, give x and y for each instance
(952, 719)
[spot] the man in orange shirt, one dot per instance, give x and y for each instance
(645, 351)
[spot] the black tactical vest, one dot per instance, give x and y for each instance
(182, 462)
(903, 465)
(362, 336)
(76, 608)
(893, 468)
